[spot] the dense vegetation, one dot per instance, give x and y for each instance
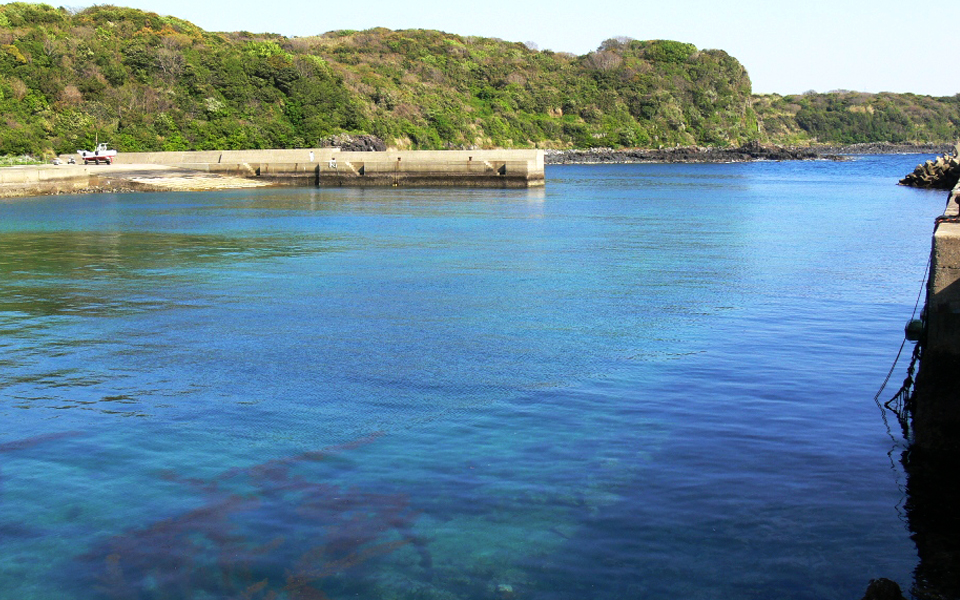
(148, 82)
(844, 117)
(145, 81)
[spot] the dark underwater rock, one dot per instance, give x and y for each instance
(883, 589)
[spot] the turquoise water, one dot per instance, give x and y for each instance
(645, 381)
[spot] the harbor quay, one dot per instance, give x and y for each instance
(937, 397)
(228, 169)
(333, 167)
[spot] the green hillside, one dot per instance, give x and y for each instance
(147, 82)
(854, 117)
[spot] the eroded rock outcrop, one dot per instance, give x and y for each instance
(354, 143)
(940, 174)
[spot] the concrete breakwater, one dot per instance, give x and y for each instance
(44, 180)
(333, 167)
(212, 170)
(941, 174)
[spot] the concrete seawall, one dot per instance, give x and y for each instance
(209, 170)
(331, 167)
(43, 179)
(936, 415)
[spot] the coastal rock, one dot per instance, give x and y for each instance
(942, 174)
(883, 589)
(750, 151)
(354, 143)
(885, 148)
(757, 151)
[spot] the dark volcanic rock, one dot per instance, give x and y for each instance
(940, 174)
(885, 148)
(758, 151)
(354, 143)
(682, 154)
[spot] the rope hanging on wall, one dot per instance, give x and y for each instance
(902, 403)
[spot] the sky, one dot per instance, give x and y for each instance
(787, 47)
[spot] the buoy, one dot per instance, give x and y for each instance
(914, 330)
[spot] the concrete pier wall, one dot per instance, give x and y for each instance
(153, 171)
(331, 167)
(937, 396)
(943, 303)
(44, 179)
(300, 155)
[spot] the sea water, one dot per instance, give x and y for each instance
(643, 381)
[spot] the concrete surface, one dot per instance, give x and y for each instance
(936, 399)
(330, 166)
(39, 180)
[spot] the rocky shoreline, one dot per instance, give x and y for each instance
(885, 148)
(752, 151)
(682, 154)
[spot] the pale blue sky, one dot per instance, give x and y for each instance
(787, 47)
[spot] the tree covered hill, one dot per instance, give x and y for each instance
(149, 82)
(845, 117)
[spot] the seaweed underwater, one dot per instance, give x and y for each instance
(30, 442)
(264, 532)
(20, 529)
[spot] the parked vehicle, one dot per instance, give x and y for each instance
(101, 154)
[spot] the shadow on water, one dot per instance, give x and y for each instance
(933, 512)
(932, 492)
(927, 413)
(16, 529)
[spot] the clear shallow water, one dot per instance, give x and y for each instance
(645, 381)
